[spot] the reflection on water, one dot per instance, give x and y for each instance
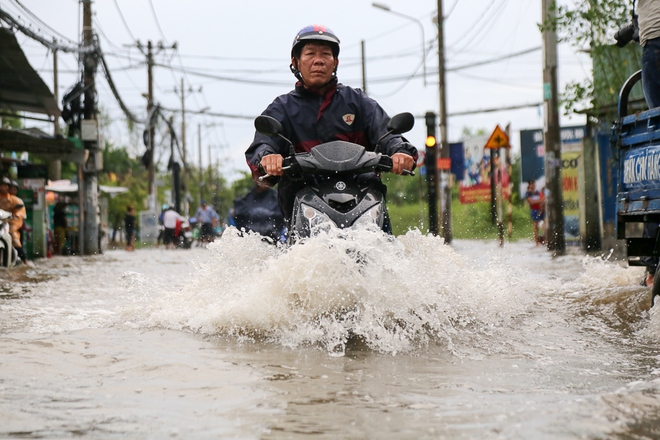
(344, 336)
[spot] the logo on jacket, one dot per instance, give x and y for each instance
(348, 118)
(340, 186)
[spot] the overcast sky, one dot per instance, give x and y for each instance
(233, 58)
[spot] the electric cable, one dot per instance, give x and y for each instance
(44, 24)
(128, 29)
(12, 22)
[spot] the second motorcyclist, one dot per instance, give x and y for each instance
(321, 110)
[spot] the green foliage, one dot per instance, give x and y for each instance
(474, 221)
(404, 190)
(119, 169)
(11, 122)
(468, 132)
(469, 222)
(590, 25)
(242, 186)
(409, 216)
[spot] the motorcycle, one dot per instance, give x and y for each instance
(8, 254)
(335, 193)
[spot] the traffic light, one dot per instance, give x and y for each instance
(432, 172)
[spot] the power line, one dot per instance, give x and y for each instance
(493, 60)
(224, 78)
(114, 90)
(124, 21)
(495, 109)
(43, 23)
(153, 11)
(12, 22)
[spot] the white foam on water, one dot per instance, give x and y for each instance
(394, 294)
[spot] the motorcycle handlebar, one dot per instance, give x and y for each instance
(290, 166)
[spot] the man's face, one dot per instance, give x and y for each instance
(4, 188)
(316, 64)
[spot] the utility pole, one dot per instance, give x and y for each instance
(89, 136)
(152, 196)
(554, 202)
(183, 146)
(201, 170)
(364, 68)
(174, 166)
(55, 165)
(445, 189)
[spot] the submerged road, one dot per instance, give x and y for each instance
(356, 337)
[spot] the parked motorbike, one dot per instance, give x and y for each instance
(336, 193)
(184, 236)
(8, 254)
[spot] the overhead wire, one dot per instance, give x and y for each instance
(492, 20)
(44, 24)
(14, 23)
(153, 11)
(472, 27)
(121, 15)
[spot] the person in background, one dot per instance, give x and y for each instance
(259, 212)
(536, 201)
(60, 225)
(13, 190)
(170, 220)
(13, 204)
(207, 218)
(160, 225)
(129, 228)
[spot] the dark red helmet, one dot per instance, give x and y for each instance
(316, 32)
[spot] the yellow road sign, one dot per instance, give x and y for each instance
(498, 139)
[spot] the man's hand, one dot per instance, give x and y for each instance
(401, 162)
(272, 164)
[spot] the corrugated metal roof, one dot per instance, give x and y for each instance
(21, 87)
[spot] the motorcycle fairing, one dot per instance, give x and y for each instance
(343, 205)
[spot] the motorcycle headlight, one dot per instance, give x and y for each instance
(374, 216)
(316, 218)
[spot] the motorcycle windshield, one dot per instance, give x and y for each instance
(338, 157)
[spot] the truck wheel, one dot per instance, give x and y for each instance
(655, 290)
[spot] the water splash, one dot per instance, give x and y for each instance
(395, 295)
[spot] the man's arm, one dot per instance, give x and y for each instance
(265, 149)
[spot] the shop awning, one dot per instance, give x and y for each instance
(35, 141)
(68, 187)
(21, 87)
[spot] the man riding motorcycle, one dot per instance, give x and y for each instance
(321, 110)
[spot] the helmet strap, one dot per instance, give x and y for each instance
(295, 71)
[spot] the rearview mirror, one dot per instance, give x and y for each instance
(401, 123)
(268, 125)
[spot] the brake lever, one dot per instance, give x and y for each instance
(265, 176)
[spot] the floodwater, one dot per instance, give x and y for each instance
(344, 337)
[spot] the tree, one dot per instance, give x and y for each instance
(119, 169)
(590, 26)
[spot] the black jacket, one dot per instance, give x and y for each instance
(309, 119)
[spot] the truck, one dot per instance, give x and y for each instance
(636, 149)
